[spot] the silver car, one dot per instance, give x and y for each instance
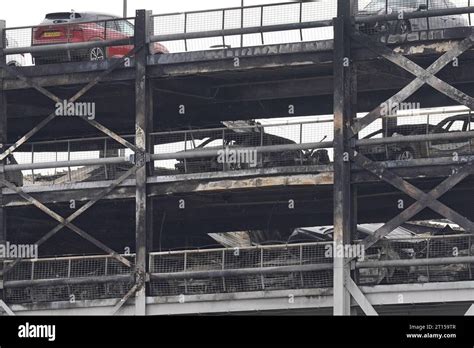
(381, 7)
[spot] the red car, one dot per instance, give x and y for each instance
(74, 27)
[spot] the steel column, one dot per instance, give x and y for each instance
(3, 141)
(142, 143)
(343, 114)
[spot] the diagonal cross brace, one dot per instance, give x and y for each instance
(360, 298)
(424, 199)
(423, 76)
(418, 206)
(7, 309)
(124, 300)
(78, 95)
(65, 222)
(79, 212)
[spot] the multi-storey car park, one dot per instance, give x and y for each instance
(127, 204)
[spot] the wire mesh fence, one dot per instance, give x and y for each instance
(74, 150)
(67, 268)
(418, 249)
(239, 259)
(260, 268)
(248, 17)
(49, 155)
(196, 277)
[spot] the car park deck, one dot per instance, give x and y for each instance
(138, 179)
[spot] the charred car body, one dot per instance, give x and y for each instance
(245, 142)
(426, 149)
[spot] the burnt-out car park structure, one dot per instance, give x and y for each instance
(128, 170)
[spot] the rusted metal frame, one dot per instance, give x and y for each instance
(64, 222)
(424, 199)
(79, 212)
(422, 75)
(124, 300)
(78, 95)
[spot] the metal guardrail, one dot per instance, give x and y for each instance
(178, 152)
(245, 26)
(217, 28)
(419, 259)
(271, 145)
(68, 279)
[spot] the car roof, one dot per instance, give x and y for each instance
(455, 117)
(84, 14)
(64, 17)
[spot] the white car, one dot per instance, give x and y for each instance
(379, 7)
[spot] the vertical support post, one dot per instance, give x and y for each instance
(142, 142)
(151, 166)
(343, 116)
(3, 141)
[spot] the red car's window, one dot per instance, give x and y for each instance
(125, 27)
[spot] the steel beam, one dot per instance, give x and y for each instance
(309, 299)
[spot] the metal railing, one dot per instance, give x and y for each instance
(213, 29)
(402, 137)
(176, 152)
(245, 26)
(67, 279)
(417, 259)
